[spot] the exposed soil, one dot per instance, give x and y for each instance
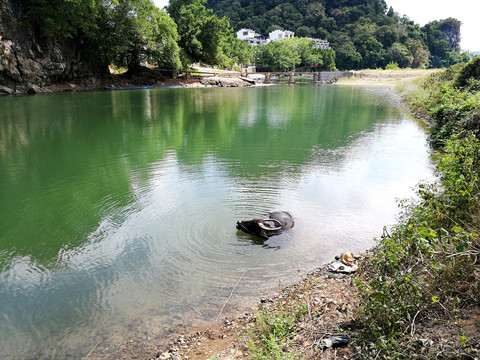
(121, 80)
(332, 301)
(333, 305)
(145, 77)
(386, 78)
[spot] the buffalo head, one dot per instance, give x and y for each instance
(273, 225)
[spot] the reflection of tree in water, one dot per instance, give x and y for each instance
(69, 160)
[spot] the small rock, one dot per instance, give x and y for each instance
(6, 90)
(334, 341)
(165, 356)
(336, 275)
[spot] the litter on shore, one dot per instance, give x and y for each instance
(346, 264)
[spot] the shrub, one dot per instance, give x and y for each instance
(469, 74)
(392, 66)
(451, 100)
(428, 262)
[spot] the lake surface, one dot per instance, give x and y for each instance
(118, 209)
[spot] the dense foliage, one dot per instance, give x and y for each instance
(289, 54)
(363, 33)
(426, 269)
(452, 100)
(131, 33)
(123, 32)
(206, 38)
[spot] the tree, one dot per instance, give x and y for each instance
(61, 18)
(390, 12)
(419, 52)
(125, 32)
(203, 36)
(141, 32)
(443, 38)
(305, 31)
(279, 55)
(190, 17)
(387, 35)
(347, 56)
(288, 54)
(242, 52)
(286, 15)
(451, 28)
(373, 54)
(399, 54)
(165, 51)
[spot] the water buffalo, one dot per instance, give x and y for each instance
(274, 224)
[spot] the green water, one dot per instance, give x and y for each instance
(118, 209)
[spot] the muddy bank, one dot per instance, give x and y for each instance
(95, 84)
(331, 299)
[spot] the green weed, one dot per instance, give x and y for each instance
(427, 262)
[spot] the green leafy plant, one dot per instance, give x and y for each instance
(392, 66)
(450, 99)
(427, 261)
(273, 332)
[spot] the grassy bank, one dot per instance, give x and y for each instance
(419, 288)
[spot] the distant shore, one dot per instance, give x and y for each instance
(386, 78)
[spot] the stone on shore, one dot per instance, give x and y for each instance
(224, 82)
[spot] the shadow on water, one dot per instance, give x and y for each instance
(249, 239)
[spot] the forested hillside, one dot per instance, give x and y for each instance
(363, 33)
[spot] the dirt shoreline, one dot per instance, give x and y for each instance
(384, 78)
(332, 302)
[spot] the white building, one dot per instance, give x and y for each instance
(280, 34)
(251, 37)
(320, 43)
(245, 34)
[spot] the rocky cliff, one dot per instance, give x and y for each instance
(29, 64)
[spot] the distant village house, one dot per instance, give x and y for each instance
(280, 34)
(251, 37)
(254, 39)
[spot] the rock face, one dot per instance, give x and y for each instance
(31, 65)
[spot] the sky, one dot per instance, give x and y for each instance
(424, 11)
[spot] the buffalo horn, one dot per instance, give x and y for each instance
(264, 227)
